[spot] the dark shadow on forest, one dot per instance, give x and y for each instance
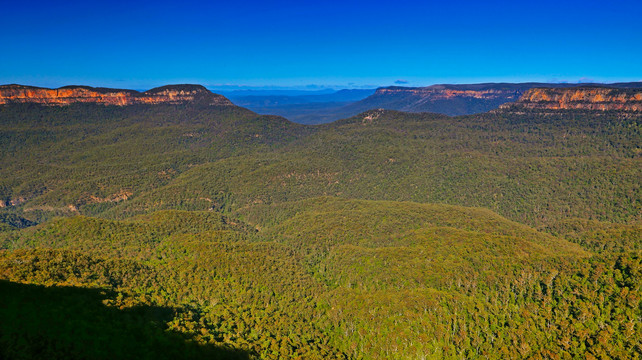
(38, 322)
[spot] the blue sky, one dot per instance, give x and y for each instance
(297, 44)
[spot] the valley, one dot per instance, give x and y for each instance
(452, 100)
(513, 230)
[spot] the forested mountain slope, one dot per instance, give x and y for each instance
(508, 234)
(529, 167)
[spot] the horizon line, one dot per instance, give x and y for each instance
(318, 88)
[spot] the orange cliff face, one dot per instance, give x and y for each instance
(443, 93)
(171, 94)
(584, 98)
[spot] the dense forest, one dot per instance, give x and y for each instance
(188, 231)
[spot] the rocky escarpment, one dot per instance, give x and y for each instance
(580, 98)
(445, 92)
(170, 94)
(460, 99)
(444, 99)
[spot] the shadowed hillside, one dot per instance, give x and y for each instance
(41, 322)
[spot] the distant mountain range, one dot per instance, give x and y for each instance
(313, 108)
(445, 99)
(318, 108)
(345, 95)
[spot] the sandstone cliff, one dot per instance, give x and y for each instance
(459, 99)
(582, 98)
(444, 99)
(170, 94)
(443, 92)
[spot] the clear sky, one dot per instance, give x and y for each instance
(319, 43)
